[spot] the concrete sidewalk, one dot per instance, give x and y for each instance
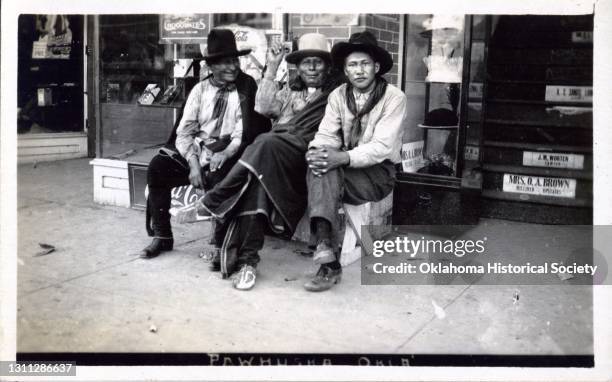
(91, 295)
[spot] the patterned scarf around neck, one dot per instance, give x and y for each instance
(377, 93)
(220, 101)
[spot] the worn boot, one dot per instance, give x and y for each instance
(325, 278)
(158, 207)
(156, 247)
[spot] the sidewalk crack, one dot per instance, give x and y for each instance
(433, 317)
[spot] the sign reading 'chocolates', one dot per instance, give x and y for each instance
(191, 28)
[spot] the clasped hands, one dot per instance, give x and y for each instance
(324, 159)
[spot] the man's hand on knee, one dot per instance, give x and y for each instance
(322, 160)
(195, 176)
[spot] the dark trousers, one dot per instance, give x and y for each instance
(326, 193)
(248, 238)
(166, 172)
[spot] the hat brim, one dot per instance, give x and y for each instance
(342, 49)
(235, 53)
(299, 55)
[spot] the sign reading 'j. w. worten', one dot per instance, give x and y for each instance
(553, 160)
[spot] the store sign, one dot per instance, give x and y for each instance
(412, 156)
(538, 185)
(192, 28)
(471, 153)
(553, 160)
(569, 93)
(331, 19)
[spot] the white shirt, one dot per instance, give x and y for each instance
(197, 121)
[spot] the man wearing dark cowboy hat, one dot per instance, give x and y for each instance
(267, 188)
(217, 123)
(351, 158)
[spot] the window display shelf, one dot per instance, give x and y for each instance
(134, 66)
(536, 146)
(173, 105)
(554, 172)
(536, 124)
(539, 102)
(541, 82)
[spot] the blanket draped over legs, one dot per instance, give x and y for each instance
(269, 180)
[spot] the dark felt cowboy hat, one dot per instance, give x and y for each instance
(362, 42)
(310, 45)
(222, 43)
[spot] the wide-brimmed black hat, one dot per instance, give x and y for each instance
(222, 43)
(362, 42)
(440, 119)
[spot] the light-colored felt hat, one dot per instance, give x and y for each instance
(310, 45)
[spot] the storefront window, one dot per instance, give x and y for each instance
(149, 63)
(50, 96)
(132, 60)
(433, 76)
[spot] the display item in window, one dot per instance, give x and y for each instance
(149, 94)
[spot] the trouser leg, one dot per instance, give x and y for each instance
(252, 228)
(212, 180)
(163, 174)
(344, 185)
(324, 197)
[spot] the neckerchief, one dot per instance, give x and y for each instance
(220, 100)
(377, 93)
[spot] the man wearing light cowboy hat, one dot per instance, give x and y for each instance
(266, 189)
(353, 155)
(217, 123)
(313, 62)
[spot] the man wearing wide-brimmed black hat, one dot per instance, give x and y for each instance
(217, 123)
(353, 155)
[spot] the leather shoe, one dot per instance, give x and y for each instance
(325, 278)
(156, 247)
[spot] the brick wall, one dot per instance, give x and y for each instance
(385, 27)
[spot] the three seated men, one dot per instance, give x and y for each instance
(331, 142)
